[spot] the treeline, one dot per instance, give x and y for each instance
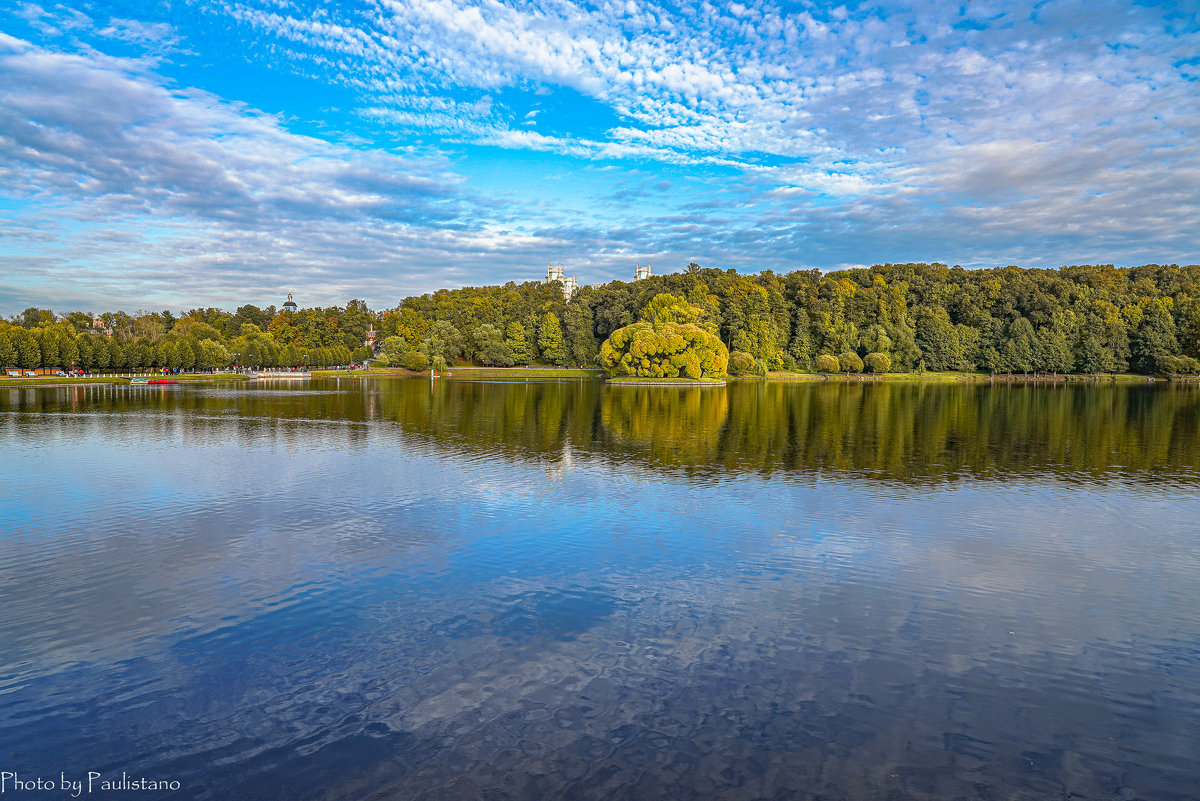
(1088, 319)
(201, 339)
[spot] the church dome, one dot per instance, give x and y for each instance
(290, 304)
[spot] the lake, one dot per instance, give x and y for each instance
(387, 589)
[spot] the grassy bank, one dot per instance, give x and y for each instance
(648, 381)
(518, 373)
(374, 371)
(69, 380)
(204, 377)
(964, 377)
(59, 380)
(468, 372)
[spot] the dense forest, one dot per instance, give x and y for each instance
(1087, 319)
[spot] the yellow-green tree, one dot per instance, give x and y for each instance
(660, 347)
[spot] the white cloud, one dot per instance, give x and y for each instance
(834, 92)
(178, 196)
(792, 138)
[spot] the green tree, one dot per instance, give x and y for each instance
(490, 347)
(938, 340)
(666, 349)
(36, 318)
(1017, 354)
(875, 339)
(827, 364)
(68, 348)
(47, 340)
(392, 349)
(801, 348)
(414, 360)
(1154, 337)
(550, 339)
(669, 350)
(8, 354)
(740, 363)
(443, 340)
(1052, 351)
(187, 355)
(518, 342)
(581, 339)
(169, 355)
(29, 355)
(850, 362)
(102, 354)
(877, 363)
(210, 354)
(667, 308)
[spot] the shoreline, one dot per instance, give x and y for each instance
(666, 382)
(518, 374)
(74, 381)
(975, 378)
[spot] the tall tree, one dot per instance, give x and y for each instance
(1154, 336)
(550, 339)
(518, 343)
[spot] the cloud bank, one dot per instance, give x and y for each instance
(472, 142)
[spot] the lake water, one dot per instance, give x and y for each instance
(350, 589)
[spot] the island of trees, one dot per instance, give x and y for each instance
(891, 317)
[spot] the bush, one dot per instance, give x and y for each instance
(877, 363)
(1176, 365)
(665, 350)
(827, 364)
(740, 362)
(850, 362)
(414, 360)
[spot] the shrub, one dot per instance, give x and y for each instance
(414, 360)
(877, 363)
(827, 364)
(740, 362)
(665, 350)
(1176, 365)
(850, 362)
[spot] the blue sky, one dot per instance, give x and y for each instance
(160, 155)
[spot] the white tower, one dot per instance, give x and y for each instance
(569, 283)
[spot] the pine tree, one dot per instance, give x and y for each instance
(550, 339)
(518, 342)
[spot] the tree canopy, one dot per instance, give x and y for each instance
(1092, 319)
(665, 343)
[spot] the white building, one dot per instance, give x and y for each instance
(570, 283)
(642, 272)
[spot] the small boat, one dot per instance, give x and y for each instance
(147, 380)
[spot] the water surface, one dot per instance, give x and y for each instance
(349, 589)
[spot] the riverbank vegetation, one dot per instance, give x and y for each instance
(920, 318)
(673, 339)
